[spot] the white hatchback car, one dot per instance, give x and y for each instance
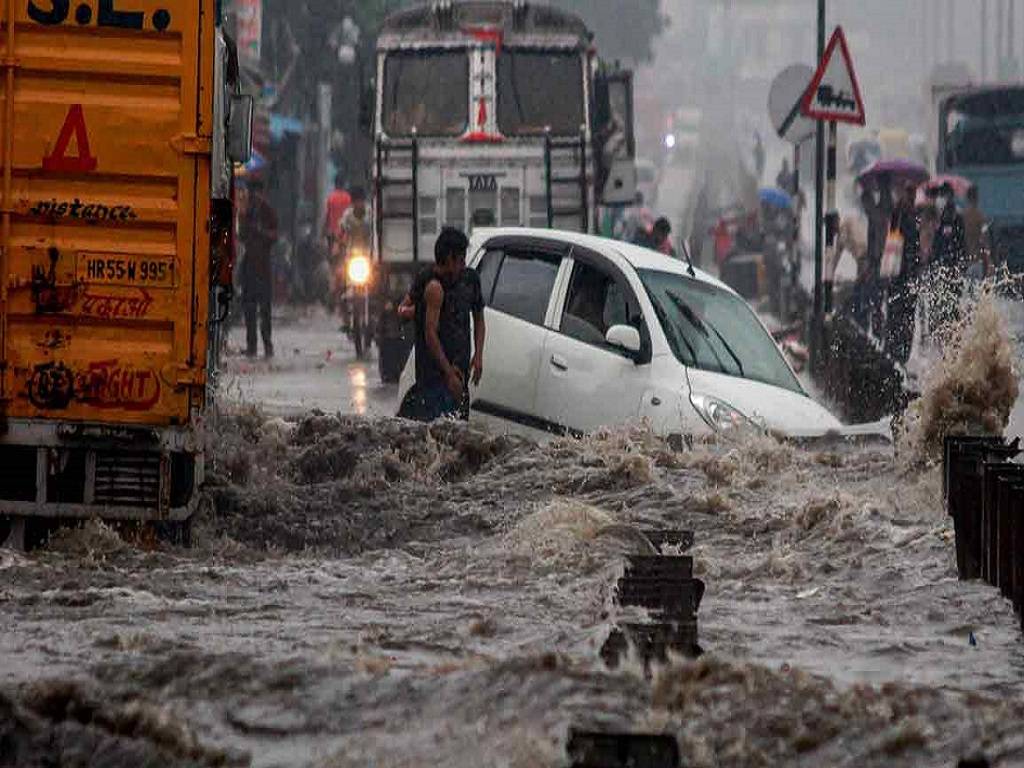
(584, 332)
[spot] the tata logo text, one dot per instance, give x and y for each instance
(483, 182)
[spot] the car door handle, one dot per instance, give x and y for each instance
(559, 363)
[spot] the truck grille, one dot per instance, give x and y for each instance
(127, 479)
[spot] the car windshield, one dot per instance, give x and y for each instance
(538, 90)
(714, 330)
(986, 129)
(428, 91)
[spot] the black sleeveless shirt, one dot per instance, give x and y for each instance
(462, 299)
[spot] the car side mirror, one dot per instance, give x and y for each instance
(626, 338)
(240, 128)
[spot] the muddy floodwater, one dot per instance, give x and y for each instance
(364, 591)
(373, 593)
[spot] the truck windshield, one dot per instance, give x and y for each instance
(428, 91)
(540, 89)
(985, 129)
(713, 330)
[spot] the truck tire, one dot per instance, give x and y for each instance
(357, 337)
(177, 533)
(391, 357)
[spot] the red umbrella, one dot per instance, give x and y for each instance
(959, 184)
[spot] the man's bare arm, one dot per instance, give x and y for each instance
(434, 297)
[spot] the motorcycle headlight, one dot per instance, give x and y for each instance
(358, 270)
(721, 416)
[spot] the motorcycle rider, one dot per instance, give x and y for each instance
(355, 238)
(356, 225)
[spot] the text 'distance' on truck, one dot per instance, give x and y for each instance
(488, 114)
(115, 125)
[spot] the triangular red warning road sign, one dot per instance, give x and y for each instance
(58, 160)
(834, 94)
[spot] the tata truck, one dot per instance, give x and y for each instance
(119, 122)
(488, 114)
(981, 138)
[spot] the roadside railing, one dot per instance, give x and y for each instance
(664, 585)
(984, 491)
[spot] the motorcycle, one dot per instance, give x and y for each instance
(353, 279)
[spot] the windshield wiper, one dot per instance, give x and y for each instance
(691, 317)
(728, 348)
(703, 326)
(663, 319)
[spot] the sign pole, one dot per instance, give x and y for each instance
(832, 218)
(819, 184)
(796, 188)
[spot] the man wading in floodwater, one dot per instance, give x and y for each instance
(442, 301)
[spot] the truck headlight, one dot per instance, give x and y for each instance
(358, 270)
(722, 417)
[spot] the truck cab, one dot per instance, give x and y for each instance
(489, 114)
(981, 137)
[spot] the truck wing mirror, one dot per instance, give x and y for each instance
(240, 121)
(614, 138)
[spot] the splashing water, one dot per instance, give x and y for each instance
(973, 386)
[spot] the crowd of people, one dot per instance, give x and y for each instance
(347, 228)
(910, 236)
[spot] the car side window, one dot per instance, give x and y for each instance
(595, 302)
(488, 270)
(524, 284)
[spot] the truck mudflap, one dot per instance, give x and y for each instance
(72, 470)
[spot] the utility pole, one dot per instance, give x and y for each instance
(983, 63)
(951, 29)
(817, 322)
(1002, 43)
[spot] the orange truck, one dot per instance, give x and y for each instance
(119, 124)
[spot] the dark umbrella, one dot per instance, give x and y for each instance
(897, 170)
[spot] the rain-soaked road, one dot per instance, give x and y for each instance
(365, 592)
(315, 366)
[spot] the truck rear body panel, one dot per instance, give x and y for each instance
(107, 253)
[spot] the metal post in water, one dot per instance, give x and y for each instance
(324, 125)
(984, 41)
(819, 203)
(547, 176)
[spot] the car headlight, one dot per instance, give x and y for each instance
(721, 416)
(358, 271)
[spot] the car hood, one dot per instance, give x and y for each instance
(780, 410)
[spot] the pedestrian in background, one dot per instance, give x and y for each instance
(878, 206)
(338, 202)
(902, 305)
(979, 263)
(658, 239)
(949, 260)
(258, 233)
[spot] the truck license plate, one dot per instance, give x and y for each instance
(122, 269)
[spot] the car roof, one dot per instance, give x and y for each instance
(633, 255)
